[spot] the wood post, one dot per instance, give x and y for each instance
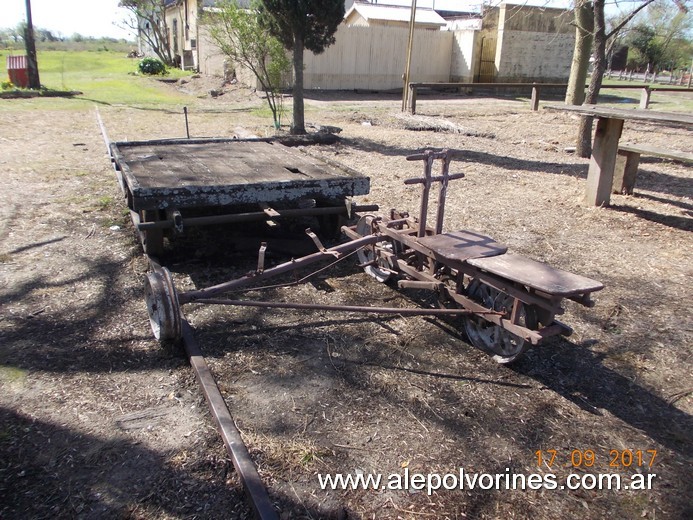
(30, 44)
(407, 70)
(413, 98)
(625, 171)
(534, 103)
(601, 170)
(645, 97)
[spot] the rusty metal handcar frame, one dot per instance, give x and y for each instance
(508, 302)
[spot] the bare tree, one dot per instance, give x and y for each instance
(584, 35)
(600, 37)
(239, 36)
(149, 23)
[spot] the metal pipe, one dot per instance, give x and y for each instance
(292, 265)
(344, 308)
(253, 216)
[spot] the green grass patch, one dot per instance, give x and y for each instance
(12, 375)
(664, 101)
(103, 203)
(105, 77)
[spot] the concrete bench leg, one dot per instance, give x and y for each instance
(625, 172)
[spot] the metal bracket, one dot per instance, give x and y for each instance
(319, 245)
(261, 258)
(176, 219)
(271, 213)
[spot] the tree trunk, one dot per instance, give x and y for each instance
(584, 21)
(299, 126)
(584, 143)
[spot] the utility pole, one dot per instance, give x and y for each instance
(30, 44)
(405, 90)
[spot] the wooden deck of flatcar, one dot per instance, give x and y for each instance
(234, 180)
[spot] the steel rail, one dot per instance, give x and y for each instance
(238, 452)
(104, 134)
(240, 457)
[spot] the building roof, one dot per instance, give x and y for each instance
(396, 13)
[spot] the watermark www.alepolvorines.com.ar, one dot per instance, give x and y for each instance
(463, 480)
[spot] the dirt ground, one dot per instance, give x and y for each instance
(96, 421)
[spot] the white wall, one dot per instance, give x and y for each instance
(464, 55)
(534, 44)
(529, 56)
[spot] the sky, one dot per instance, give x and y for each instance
(101, 17)
(465, 4)
(67, 17)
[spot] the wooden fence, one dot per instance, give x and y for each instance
(535, 88)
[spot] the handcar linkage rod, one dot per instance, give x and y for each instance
(292, 265)
(345, 308)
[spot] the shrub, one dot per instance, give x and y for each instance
(7, 85)
(152, 66)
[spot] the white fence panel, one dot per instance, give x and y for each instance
(374, 58)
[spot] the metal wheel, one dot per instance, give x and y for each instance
(163, 307)
(367, 255)
(504, 346)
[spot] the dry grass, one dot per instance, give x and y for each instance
(319, 392)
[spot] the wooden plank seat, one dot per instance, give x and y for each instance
(536, 275)
(628, 159)
(462, 245)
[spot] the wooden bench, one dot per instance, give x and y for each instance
(628, 159)
(537, 275)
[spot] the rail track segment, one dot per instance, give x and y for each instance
(506, 302)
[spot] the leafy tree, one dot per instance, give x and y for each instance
(45, 35)
(662, 37)
(17, 33)
(238, 34)
(300, 25)
(149, 23)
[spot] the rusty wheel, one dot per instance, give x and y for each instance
(504, 346)
(368, 255)
(162, 305)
